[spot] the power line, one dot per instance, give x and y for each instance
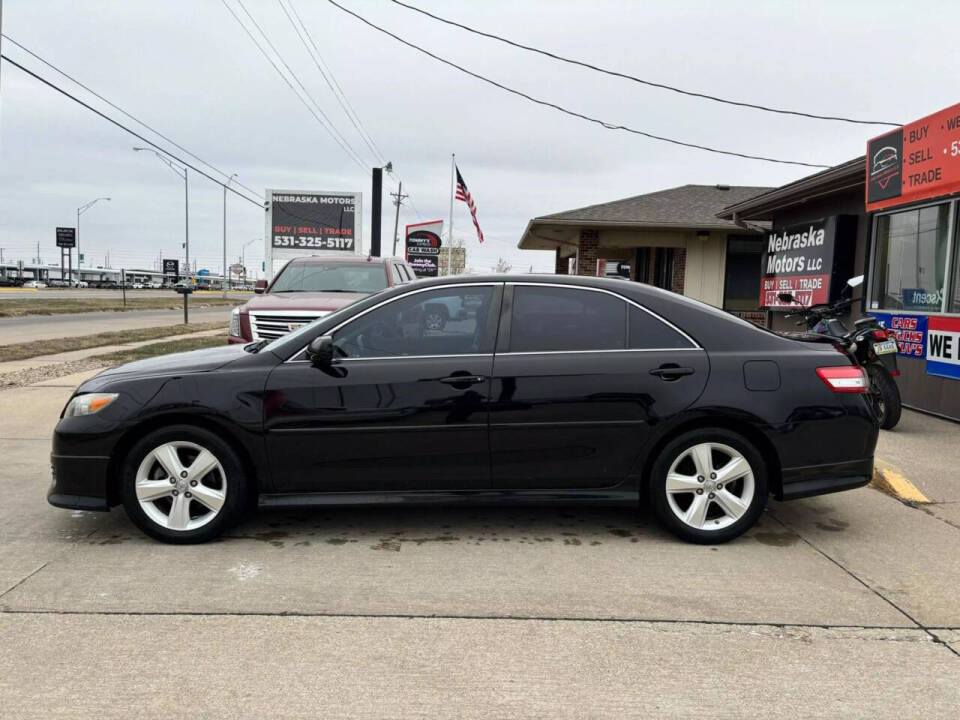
(328, 125)
(572, 113)
(334, 86)
(635, 79)
(124, 112)
(132, 132)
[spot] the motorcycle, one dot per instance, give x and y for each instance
(873, 346)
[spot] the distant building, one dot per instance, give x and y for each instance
(459, 260)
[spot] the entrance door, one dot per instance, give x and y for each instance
(403, 408)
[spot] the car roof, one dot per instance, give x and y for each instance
(346, 259)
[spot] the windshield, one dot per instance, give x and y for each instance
(331, 277)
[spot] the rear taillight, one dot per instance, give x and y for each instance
(880, 335)
(844, 379)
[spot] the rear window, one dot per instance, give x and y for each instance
(331, 277)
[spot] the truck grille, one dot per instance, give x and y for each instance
(269, 325)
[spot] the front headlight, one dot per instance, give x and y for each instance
(235, 322)
(88, 404)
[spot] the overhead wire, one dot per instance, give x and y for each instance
(124, 112)
(572, 113)
(642, 81)
(137, 135)
(345, 146)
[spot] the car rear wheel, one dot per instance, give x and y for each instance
(183, 484)
(708, 486)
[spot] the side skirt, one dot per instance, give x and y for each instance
(494, 497)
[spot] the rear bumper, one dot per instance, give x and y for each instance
(79, 482)
(812, 480)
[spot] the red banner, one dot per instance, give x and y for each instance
(916, 162)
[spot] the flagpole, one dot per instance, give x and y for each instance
(453, 190)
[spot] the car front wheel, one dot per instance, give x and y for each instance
(183, 484)
(708, 486)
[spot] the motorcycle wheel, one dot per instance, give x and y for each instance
(886, 396)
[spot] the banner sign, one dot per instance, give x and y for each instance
(66, 237)
(171, 267)
(799, 260)
(943, 346)
(911, 332)
(423, 247)
(916, 162)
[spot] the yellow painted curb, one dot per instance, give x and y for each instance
(18, 289)
(893, 483)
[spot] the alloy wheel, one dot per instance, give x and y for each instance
(710, 486)
(434, 321)
(181, 485)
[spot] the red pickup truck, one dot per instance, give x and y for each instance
(308, 288)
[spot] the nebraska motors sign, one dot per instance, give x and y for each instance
(799, 260)
(919, 161)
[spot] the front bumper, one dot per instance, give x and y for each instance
(79, 482)
(813, 480)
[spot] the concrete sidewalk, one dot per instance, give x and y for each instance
(926, 450)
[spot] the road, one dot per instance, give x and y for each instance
(838, 606)
(88, 293)
(47, 327)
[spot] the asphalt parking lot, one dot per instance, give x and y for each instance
(839, 606)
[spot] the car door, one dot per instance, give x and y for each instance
(579, 378)
(403, 408)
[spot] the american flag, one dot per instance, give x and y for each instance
(464, 194)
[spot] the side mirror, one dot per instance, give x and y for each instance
(320, 351)
(260, 287)
(855, 281)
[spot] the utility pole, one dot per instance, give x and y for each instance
(398, 198)
(453, 190)
(182, 172)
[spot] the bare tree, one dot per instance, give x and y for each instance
(502, 266)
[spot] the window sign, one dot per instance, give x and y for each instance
(911, 332)
(943, 347)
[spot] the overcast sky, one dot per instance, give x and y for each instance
(188, 69)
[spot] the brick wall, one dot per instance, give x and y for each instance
(679, 269)
(561, 264)
(587, 258)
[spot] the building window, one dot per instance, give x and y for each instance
(910, 259)
(663, 268)
(741, 287)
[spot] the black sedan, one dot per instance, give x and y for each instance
(536, 388)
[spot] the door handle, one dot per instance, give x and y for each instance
(671, 372)
(463, 381)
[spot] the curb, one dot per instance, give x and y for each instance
(895, 484)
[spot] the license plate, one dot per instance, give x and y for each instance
(885, 348)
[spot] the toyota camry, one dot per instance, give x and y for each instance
(536, 389)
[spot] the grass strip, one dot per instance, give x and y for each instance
(60, 306)
(22, 351)
(161, 348)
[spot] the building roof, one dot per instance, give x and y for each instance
(845, 176)
(688, 207)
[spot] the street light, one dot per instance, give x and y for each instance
(80, 211)
(181, 171)
(229, 180)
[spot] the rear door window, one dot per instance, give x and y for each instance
(550, 319)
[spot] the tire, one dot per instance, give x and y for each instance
(177, 512)
(726, 512)
(885, 395)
